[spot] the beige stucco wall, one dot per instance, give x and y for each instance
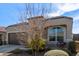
(16, 29)
(3, 37)
(61, 21)
(68, 22)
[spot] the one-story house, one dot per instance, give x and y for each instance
(56, 29)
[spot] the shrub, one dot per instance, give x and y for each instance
(61, 44)
(68, 51)
(29, 51)
(77, 46)
(37, 44)
(71, 47)
(16, 51)
(42, 43)
(56, 53)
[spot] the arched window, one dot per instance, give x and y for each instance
(56, 34)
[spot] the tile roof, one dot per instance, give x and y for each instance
(26, 23)
(2, 29)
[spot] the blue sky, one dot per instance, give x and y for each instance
(10, 13)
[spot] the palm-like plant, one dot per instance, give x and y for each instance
(37, 43)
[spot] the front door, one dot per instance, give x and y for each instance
(56, 34)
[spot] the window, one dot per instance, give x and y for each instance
(52, 38)
(56, 34)
(51, 34)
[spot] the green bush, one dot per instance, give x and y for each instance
(71, 47)
(16, 51)
(29, 51)
(56, 53)
(37, 44)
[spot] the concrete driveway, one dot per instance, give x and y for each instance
(4, 49)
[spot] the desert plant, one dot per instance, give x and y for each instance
(41, 43)
(71, 47)
(56, 53)
(37, 44)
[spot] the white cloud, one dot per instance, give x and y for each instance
(68, 7)
(76, 30)
(76, 18)
(64, 7)
(57, 13)
(76, 24)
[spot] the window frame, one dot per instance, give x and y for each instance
(56, 33)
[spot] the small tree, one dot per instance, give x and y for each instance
(36, 28)
(37, 43)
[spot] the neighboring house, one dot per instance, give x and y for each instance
(2, 36)
(55, 29)
(76, 37)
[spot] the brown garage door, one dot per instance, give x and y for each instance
(12, 37)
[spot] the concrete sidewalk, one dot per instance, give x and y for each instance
(5, 54)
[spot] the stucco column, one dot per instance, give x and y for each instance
(3, 37)
(65, 34)
(7, 38)
(69, 33)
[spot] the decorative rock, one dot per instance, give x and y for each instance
(56, 53)
(77, 54)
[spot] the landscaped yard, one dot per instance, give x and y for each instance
(19, 52)
(71, 50)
